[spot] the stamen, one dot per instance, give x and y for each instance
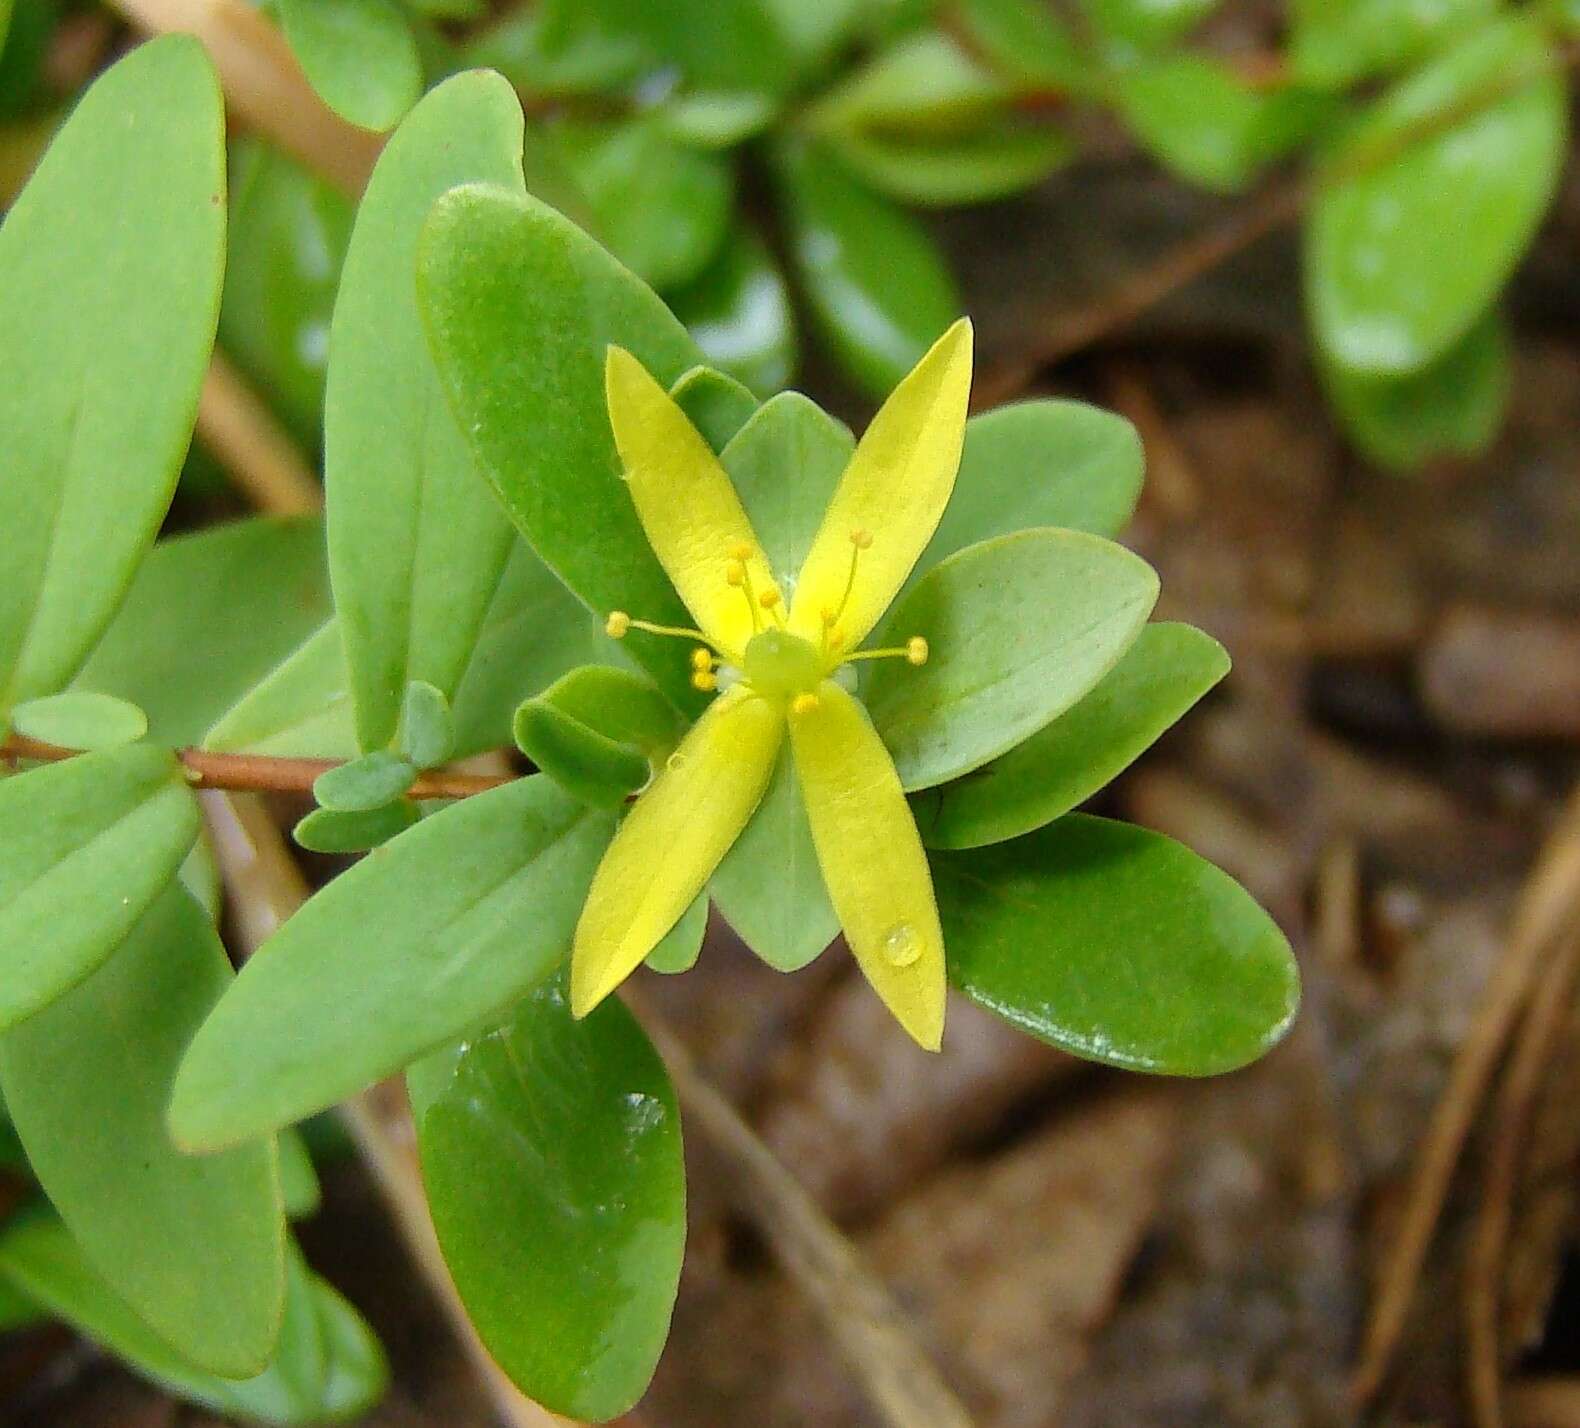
(916, 650)
(913, 651)
(705, 680)
(804, 703)
(619, 624)
(702, 659)
(860, 540)
(737, 575)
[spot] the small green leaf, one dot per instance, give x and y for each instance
(1119, 945)
(1022, 39)
(207, 617)
(715, 403)
(5, 22)
(598, 732)
(329, 830)
(1404, 258)
(417, 541)
(364, 784)
(360, 55)
(662, 208)
(560, 47)
(110, 267)
(949, 172)
(300, 709)
(1146, 25)
(17, 1310)
(86, 846)
(499, 276)
(1049, 462)
(874, 280)
(682, 944)
(1334, 43)
(552, 1159)
(738, 312)
(715, 119)
(922, 84)
(329, 1365)
(1019, 627)
(299, 1187)
(769, 887)
(414, 946)
(288, 235)
(1452, 407)
(1210, 126)
(427, 727)
(79, 720)
(718, 44)
(1158, 678)
(194, 1245)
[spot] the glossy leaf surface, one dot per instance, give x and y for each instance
(358, 54)
(110, 267)
(551, 1155)
(417, 943)
(1119, 945)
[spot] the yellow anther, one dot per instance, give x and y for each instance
(741, 551)
(617, 625)
(705, 680)
(804, 704)
(916, 650)
(702, 659)
(769, 598)
(735, 573)
(861, 538)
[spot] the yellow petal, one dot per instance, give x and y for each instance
(687, 503)
(672, 840)
(872, 859)
(895, 488)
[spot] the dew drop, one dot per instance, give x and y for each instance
(901, 945)
(675, 762)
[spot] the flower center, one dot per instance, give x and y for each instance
(781, 665)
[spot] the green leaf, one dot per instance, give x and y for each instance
(328, 1365)
(199, 875)
(662, 207)
(1403, 258)
(86, 846)
(499, 276)
(924, 83)
(738, 312)
(769, 887)
(1334, 43)
(682, 944)
(300, 709)
(1166, 670)
(715, 119)
(876, 283)
(329, 830)
(5, 22)
(1117, 944)
(1019, 627)
(288, 235)
(193, 1244)
(416, 540)
(785, 464)
(364, 784)
(1453, 407)
(1023, 40)
(1146, 25)
(360, 55)
(560, 47)
(427, 727)
(1208, 125)
(79, 720)
(598, 733)
(299, 1189)
(208, 616)
(17, 1310)
(552, 1159)
(415, 945)
(948, 172)
(716, 44)
(110, 268)
(715, 403)
(1048, 462)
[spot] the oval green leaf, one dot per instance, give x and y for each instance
(715, 403)
(330, 830)
(1404, 256)
(364, 784)
(80, 720)
(110, 266)
(1117, 944)
(1334, 43)
(417, 541)
(194, 1244)
(682, 944)
(552, 1159)
(993, 162)
(1156, 681)
(86, 846)
(417, 943)
(360, 55)
(1018, 628)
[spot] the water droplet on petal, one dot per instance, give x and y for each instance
(901, 945)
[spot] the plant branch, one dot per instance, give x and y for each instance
(252, 445)
(264, 773)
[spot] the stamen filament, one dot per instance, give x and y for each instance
(860, 540)
(913, 651)
(619, 623)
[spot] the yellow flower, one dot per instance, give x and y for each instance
(779, 669)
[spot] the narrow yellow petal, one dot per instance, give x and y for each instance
(894, 490)
(672, 840)
(872, 859)
(687, 503)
